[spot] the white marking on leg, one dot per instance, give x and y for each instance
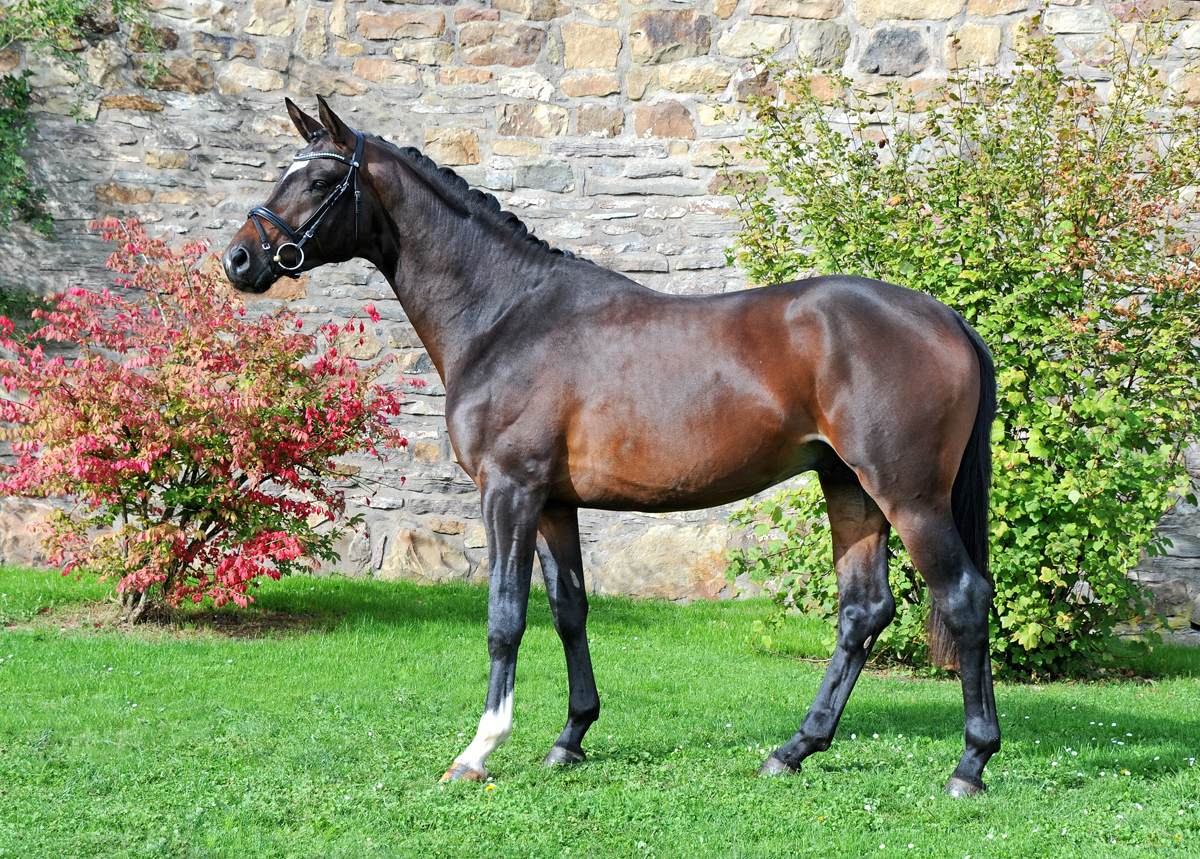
(494, 728)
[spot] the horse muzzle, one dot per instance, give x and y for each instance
(247, 268)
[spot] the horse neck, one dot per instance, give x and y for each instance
(456, 275)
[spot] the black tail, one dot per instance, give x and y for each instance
(969, 498)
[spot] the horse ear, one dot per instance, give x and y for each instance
(339, 132)
(305, 124)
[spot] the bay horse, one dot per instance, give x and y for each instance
(568, 386)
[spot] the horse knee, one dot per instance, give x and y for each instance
(504, 639)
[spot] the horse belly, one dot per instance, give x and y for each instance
(705, 459)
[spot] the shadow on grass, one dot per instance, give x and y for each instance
(300, 605)
(354, 601)
(43, 597)
(406, 604)
(1168, 661)
(1143, 742)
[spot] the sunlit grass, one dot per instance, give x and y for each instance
(330, 743)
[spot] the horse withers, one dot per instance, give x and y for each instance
(569, 386)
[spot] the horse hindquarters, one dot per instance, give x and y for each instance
(946, 536)
(969, 498)
(952, 556)
(904, 466)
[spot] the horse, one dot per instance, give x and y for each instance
(569, 386)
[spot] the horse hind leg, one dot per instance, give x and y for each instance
(865, 608)
(964, 598)
(562, 566)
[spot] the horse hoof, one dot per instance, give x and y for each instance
(774, 766)
(960, 787)
(564, 756)
(463, 772)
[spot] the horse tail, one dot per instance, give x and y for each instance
(969, 497)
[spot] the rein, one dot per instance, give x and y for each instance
(304, 232)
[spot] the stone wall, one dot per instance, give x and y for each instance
(1174, 577)
(599, 123)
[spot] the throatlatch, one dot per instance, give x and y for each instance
(304, 232)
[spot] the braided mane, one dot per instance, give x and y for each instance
(477, 202)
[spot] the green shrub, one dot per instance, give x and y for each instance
(18, 197)
(1056, 214)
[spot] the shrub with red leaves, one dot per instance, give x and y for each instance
(195, 441)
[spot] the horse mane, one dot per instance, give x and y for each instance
(458, 192)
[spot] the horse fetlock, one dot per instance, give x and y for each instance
(983, 745)
(494, 728)
(810, 745)
(984, 733)
(585, 716)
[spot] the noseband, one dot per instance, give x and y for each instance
(304, 232)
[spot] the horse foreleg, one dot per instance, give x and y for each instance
(964, 597)
(510, 515)
(865, 607)
(562, 566)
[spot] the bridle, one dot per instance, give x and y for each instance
(304, 232)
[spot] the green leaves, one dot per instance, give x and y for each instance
(1055, 223)
(1034, 445)
(18, 197)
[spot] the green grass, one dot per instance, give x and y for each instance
(330, 743)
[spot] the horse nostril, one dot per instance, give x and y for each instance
(238, 261)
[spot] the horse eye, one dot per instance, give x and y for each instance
(319, 186)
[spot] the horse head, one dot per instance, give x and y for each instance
(320, 211)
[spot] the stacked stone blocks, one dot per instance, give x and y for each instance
(603, 125)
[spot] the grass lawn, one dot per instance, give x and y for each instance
(329, 741)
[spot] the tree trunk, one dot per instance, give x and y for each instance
(942, 652)
(134, 605)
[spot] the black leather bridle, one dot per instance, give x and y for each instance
(304, 232)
